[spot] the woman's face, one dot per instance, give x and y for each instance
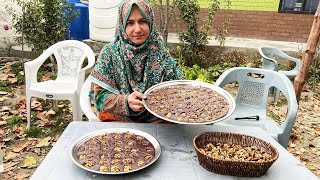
(137, 27)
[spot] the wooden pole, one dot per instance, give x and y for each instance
(308, 54)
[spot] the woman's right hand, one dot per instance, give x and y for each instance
(134, 101)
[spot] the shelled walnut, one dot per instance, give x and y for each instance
(186, 103)
(116, 152)
(230, 151)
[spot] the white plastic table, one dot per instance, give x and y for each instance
(178, 160)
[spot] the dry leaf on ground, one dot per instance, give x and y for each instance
(50, 112)
(45, 123)
(12, 80)
(44, 142)
(9, 165)
(11, 155)
(29, 161)
(3, 77)
(3, 93)
(20, 147)
(21, 176)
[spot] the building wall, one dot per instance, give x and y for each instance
(268, 25)
(258, 20)
(249, 5)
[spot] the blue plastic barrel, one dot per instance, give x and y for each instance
(79, 27)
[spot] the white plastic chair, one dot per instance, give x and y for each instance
(269, 61)
(69, 55)
(85, 103)
(252, 100)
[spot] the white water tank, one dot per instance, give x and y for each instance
(103, 15)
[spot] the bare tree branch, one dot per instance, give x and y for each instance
(308, 54)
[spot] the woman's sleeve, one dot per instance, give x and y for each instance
(108, 101)
(104, 94)
(177, 71)
(173, 71)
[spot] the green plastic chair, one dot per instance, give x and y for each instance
(252, 100)
(269, 61)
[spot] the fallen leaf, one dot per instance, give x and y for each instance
(12, 80)
(44, 123)
(3, 98)
(298, 152)
(11, 155)
(6, 139)
(42, 115)
(46, 77)
(51, 112)
(44, 142)
(304, 159)
(16, 129)
(61, 105)
(20, 147)
(312, 166)
(37, 150)
(292, 145)
(57, 137)
(3, 93)
(35, 104)
(14, 112)
(21, 176)
(11, 75)
(22, 103)
(29, 161)
(10, 164)
(316, 142)
(302, 150)
(4, 108)
(3, 77)
(7, 70)
(6, 175)
(2, 132)
(21, 73)
(305, 89)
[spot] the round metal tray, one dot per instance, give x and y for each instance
(80, 141)
(217, 89)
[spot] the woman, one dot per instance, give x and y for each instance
(134, 62)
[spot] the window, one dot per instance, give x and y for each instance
(298, 6)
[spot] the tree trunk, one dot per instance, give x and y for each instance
(161, 17)
(165, 30)
(308, 54)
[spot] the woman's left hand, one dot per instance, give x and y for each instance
(134, 101)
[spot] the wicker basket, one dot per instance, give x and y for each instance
(233, 167)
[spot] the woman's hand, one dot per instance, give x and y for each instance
(134, 101)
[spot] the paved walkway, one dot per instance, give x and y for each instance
(249, 43)
(233, 42)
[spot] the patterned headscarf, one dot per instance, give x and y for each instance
(123, 67)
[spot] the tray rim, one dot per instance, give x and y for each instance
(221, 91)
(86, 137)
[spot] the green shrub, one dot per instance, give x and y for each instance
(16, 69)
(314, 73)
(14, 120)
(211, 56)
(42, 22)
(195, 38)
(239, 58)
(33, 132)
(209, 75)
(5, 86)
